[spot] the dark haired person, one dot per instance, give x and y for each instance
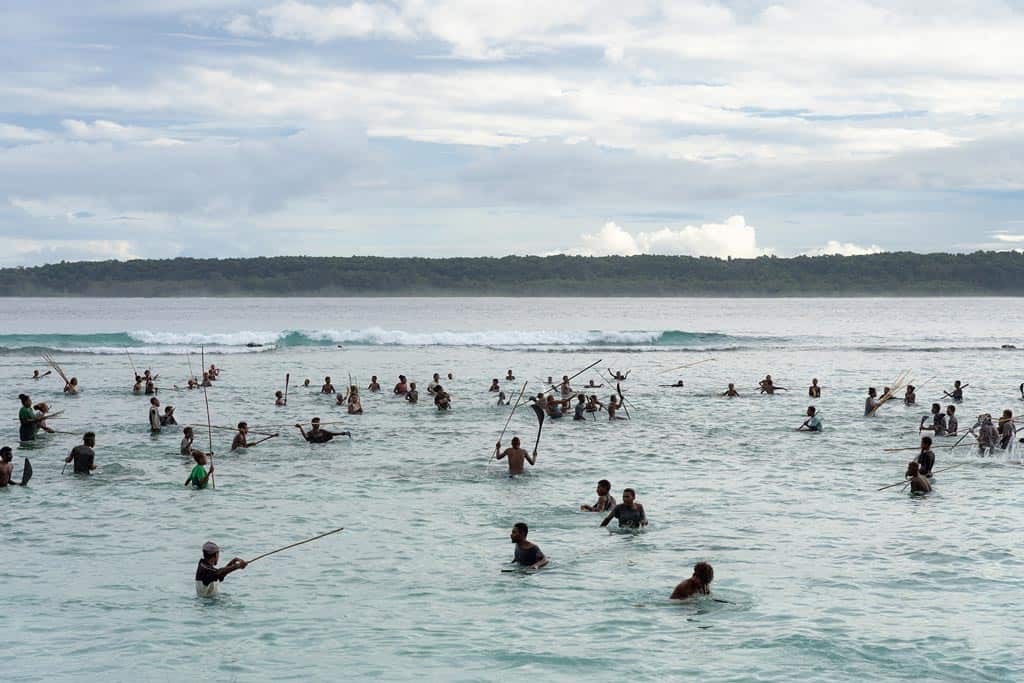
(698, 584)
(527, 554)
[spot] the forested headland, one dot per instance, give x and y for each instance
(889, 274)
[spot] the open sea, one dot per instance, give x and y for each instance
(824, 576)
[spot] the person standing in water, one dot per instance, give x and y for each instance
(494, 385)
(731, 392)
(154, 415)
(36, 375)
(527, 554)
(958, 392)
(327, 387)
(516, 457)
(938, 426)
(510, 377)
(952, 425)
(29, 423)
(413, 395)
(402, 387)
(926, 458)
(241, 437)
(1007, 429)
(41, 410)
(814, 391)
(318, 435)
(812, 423)
(918, 482)
(279, 398)
(374, 385)
(605, 499)
(199, 477)
(630, 513)
(83, 455)
(910, 396)
(871, 403)
(208, 576)
(698, 584)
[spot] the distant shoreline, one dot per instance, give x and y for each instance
(882, 276)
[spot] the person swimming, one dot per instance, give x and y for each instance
(630, 514)
(731, 392)
(527, 554)
(698, 584)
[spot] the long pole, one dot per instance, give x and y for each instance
(134, 370)
(905, 482)
(502, 435)
(209, 434)
(287, 377)
(686, 365)
(308, 540)
(577, 374)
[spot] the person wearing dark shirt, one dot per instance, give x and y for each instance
(926, 459)
(318, 435)
(208, 576)
(605, 500)
(938, 426)
(918, 482)
(952, 425)
(629, 513)
(581, 406)
(527, 554)
(83, 455)
(1006, 429)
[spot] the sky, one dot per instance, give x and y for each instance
(220, 128)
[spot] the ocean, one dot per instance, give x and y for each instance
(821, 576)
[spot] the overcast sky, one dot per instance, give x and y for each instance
(474, 127)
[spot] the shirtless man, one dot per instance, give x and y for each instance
(36, 375)
(605, 499)
(442, 399)
(918, 482)
(509, 377)
(564, 387)
(958, 392)
(814, 391)
(355, 406)
(731, 391)
(413, 395)
(494, 385)
(952, 425)
(241, 437)
(698, 584)
(516, 457)
(618, 376)
(327, 387)
(318, 435)
(987, 436)
(1006, 429)
(613, 408)
(910, 396)
(279, 398)
(591, 385)
(6, 468)
(767, 386)
(402, 387)
(374, 385)
(871, 403)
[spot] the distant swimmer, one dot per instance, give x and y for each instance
(305, 382)
(910, 396)
(594, 404)
(509, 377)
(154, 414)
(564, 387)
(591, 385)
(918, 482)
(72, 386)
(355, 405)
(630, 513)
(279, 398)
(188, 437)
(731, 392)
(938, 426)
(413, 395)
(318, 435)
(501, 399)
(494, 385)
(241, 439)
(327, 387)
(206, 380)
(618, 376)
(402, 387)
(926, 458)
(698, 584)
(517, 456)
(199, 477)
(150, 387)
(952, 425)
(442, 399)
(83, 455)
(871, 403)
(434, 382)
(813, 421)
(527, 554)
(1007, 429)
(36, 375)
(374, 385)
(814, 391)
(137, 387)
(605, 499)
(208, 576)
(678, 385)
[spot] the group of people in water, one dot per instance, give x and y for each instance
(558, 401)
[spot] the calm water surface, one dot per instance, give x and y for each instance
(826, 577)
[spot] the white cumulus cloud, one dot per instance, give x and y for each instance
(837, 248)
(733, 238)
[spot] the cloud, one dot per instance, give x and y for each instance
(733, 238)
(836, 248)
(1007, 237)
(19, 251)
(302, 21)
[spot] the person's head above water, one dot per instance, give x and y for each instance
(926, 442)
(89, 439)
(703, 572)
(6, 454)
(199, 457)
(25, 400)
(188, 431)
(315, 423)
(243, 426)
(603, 487)
(628, 496)
(811, 410)
(515, 442)
(211, 551)
(519, 532)
(913, 469)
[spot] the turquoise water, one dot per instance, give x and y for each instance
(825, 577)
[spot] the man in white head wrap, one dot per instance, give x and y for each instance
(208, 577)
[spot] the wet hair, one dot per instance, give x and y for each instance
(521, 528)
(625, 491)
(604, 484)
(812, 410)
(913, 469)
(515, 440)
(23, 397)
(704, 573)
(187, 430)
(926, 441)
(243, 424)
(89, 435)
(950, 409)
(936, 407)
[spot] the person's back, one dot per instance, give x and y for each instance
(926, 461)
(83, 458)
(698, 584)
(919, 484)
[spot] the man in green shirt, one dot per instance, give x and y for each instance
(27, 417)
(199, 477)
